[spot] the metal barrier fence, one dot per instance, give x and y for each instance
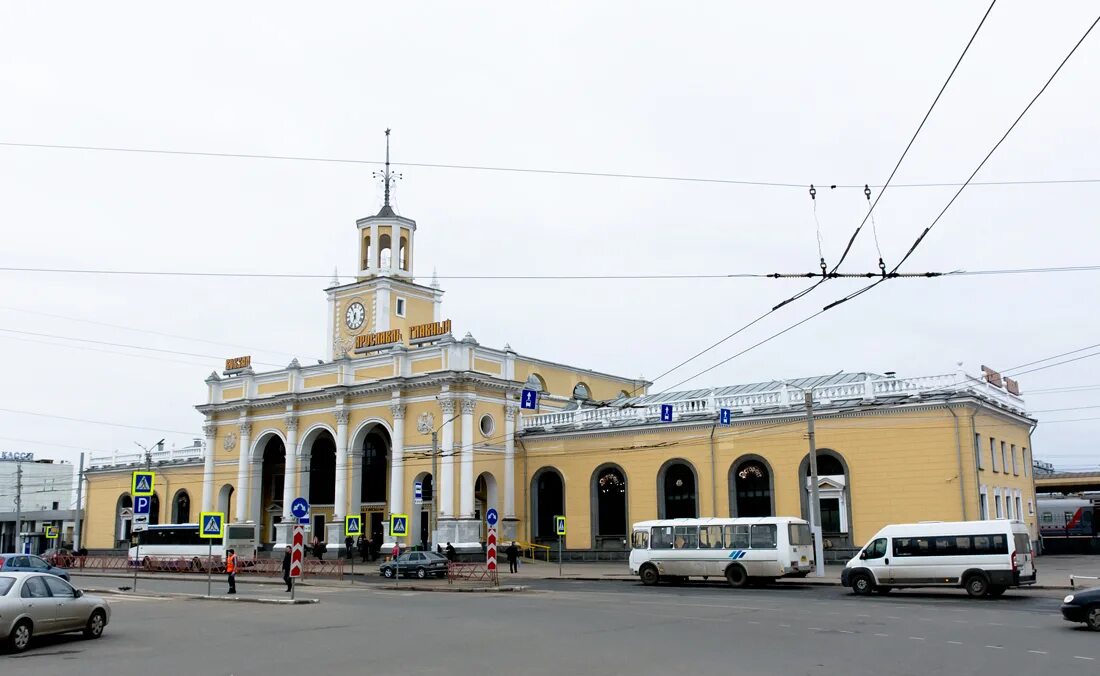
(199, 564)
(477, 573)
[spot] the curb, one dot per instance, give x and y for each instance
(204, 597)
(185, 578)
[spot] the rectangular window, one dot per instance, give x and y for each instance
(997, 502)
(1019, 508)
(1004, 457)
(1030, 507)
(400, 307)
(830, 515)
(662, 537)
(1048, 517)
(990, 544)
(318, 522)
(993, 453)
(983, 505)
(737, 537)
(1008, 506)
(710, 537)
(1015, 465)
(962, 545)
(763, 536)
(800, 534)
(641, 540)
(1026, 461)
(686, 537)
(978, 451)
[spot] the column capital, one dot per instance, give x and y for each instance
(210, 430)
(447, 405)
(291, 421)
(468, 406)
(397, 411)
(342, 416)
(510, 411)
(246, 429)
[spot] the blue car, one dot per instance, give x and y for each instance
(28, 563)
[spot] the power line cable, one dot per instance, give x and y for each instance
(1063, 354)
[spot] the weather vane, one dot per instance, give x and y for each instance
(388, 177)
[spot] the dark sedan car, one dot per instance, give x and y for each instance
(1083, 606)
(420, 564)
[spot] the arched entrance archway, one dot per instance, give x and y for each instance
(319, 453)
(154, 509)
(751, 487)
(225, 499)
(375, 481)
(608, 506)
(272, 475)
(677, 496)
(485, 498)
(124, 514)
(835, 493)
(547, 501)
(181, 507)
(422, 514)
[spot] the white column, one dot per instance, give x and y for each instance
(208, 497)
(447, 462)
(243, 467)
(340, 509)
(290, 474)
(510, 411)
(397, 461)
(355, 457)
(466, 494)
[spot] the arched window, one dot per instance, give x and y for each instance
(609, 524)
(376, 448)
(385, 252)
(547, 501)
(366, 253)
(181, 507)
(834, 491)
(750, 484)
(535, 382)
(676, 491)
(154, 510)
(581, 392)
(404, 254)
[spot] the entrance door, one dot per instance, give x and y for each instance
(425, 534)
(376, 531)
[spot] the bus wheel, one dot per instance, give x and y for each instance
(862, 584)
(649, 575)
(736, 576)
(977, 586)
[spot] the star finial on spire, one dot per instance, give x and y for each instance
(388, 178)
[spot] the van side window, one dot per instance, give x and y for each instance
(737, 537)
(876, 550)
(641, 539)
(662, 537)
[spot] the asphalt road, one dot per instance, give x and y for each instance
(576, 627)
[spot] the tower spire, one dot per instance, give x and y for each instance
(388, 177)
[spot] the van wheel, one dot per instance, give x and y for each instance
(884, 590)
(736, 576)
(649, 575)
(862, 585)
(977, 586)
(1092, 619)
(20, 637)
(997, 589)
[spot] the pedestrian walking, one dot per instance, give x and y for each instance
(361, 546)
(319, 548)
(286, 568)
(349, 543)
(513, 557)
(231, 570)
(451, 553)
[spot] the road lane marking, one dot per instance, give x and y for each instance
(883, 635)
(996, 647)
(815, 628)
(1078, 657)
(753, 622)
(916, 638)
(955, 642)
(1038, 652)
(785, 626)
(845, 631)
(891, 617)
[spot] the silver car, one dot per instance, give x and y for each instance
(35, 604)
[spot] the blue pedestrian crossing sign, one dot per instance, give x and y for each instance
(559, 524)
(142, 483)
(212, 525)
(491, 517)
(529, 399)
(666, 412)
(399, 525)
(300, 507)
(353, 526)
(143, 504)
(724, 416)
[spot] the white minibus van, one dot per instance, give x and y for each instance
(983, 557)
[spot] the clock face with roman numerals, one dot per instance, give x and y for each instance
(355, 316)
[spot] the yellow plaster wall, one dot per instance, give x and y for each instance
(232, 393)
(487, 366)
(273, 388)
(375, 372)
(427, 365)
(315, 382)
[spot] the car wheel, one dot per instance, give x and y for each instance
(649, 575)
(884, 590)
(20, 637)
(1092, 618)
(977, 586)
(421, 573)
(96, 623)
(736, 576)
(387, 572)
(862, 585)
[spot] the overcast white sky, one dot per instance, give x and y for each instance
(811, 92)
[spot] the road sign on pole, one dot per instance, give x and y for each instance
(212, 525)
(352, 526)
(51, 533)
(143, 504)
(139, 523)
(529, 399)
(299, 508)
(491, 550)
(418, 493)
(491, 517)
(724, 416)
(297, 548)
(559, 524)
(399, 525)
(141, 483)
(666, 412)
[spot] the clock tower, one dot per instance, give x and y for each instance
(384, 298)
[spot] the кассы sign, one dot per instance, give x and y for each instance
(16, 456)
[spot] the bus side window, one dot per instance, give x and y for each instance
(737, 537)
(763, 536)
(662, 537)
(687, 537)
(710, 537)
(641, 539)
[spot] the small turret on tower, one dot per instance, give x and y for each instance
(386, 239)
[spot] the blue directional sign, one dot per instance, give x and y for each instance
(212, 525)
(724, 416)
(491, 517)
(142, 504)
(300, 507)
(418, 492)
(529, 399)
(666, 412)
(303, 520)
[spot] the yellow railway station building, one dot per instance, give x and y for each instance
(354, 435)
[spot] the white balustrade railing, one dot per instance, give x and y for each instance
(138, 457)
(866, 390)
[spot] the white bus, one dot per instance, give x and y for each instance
(180, 545)
(741, 550)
